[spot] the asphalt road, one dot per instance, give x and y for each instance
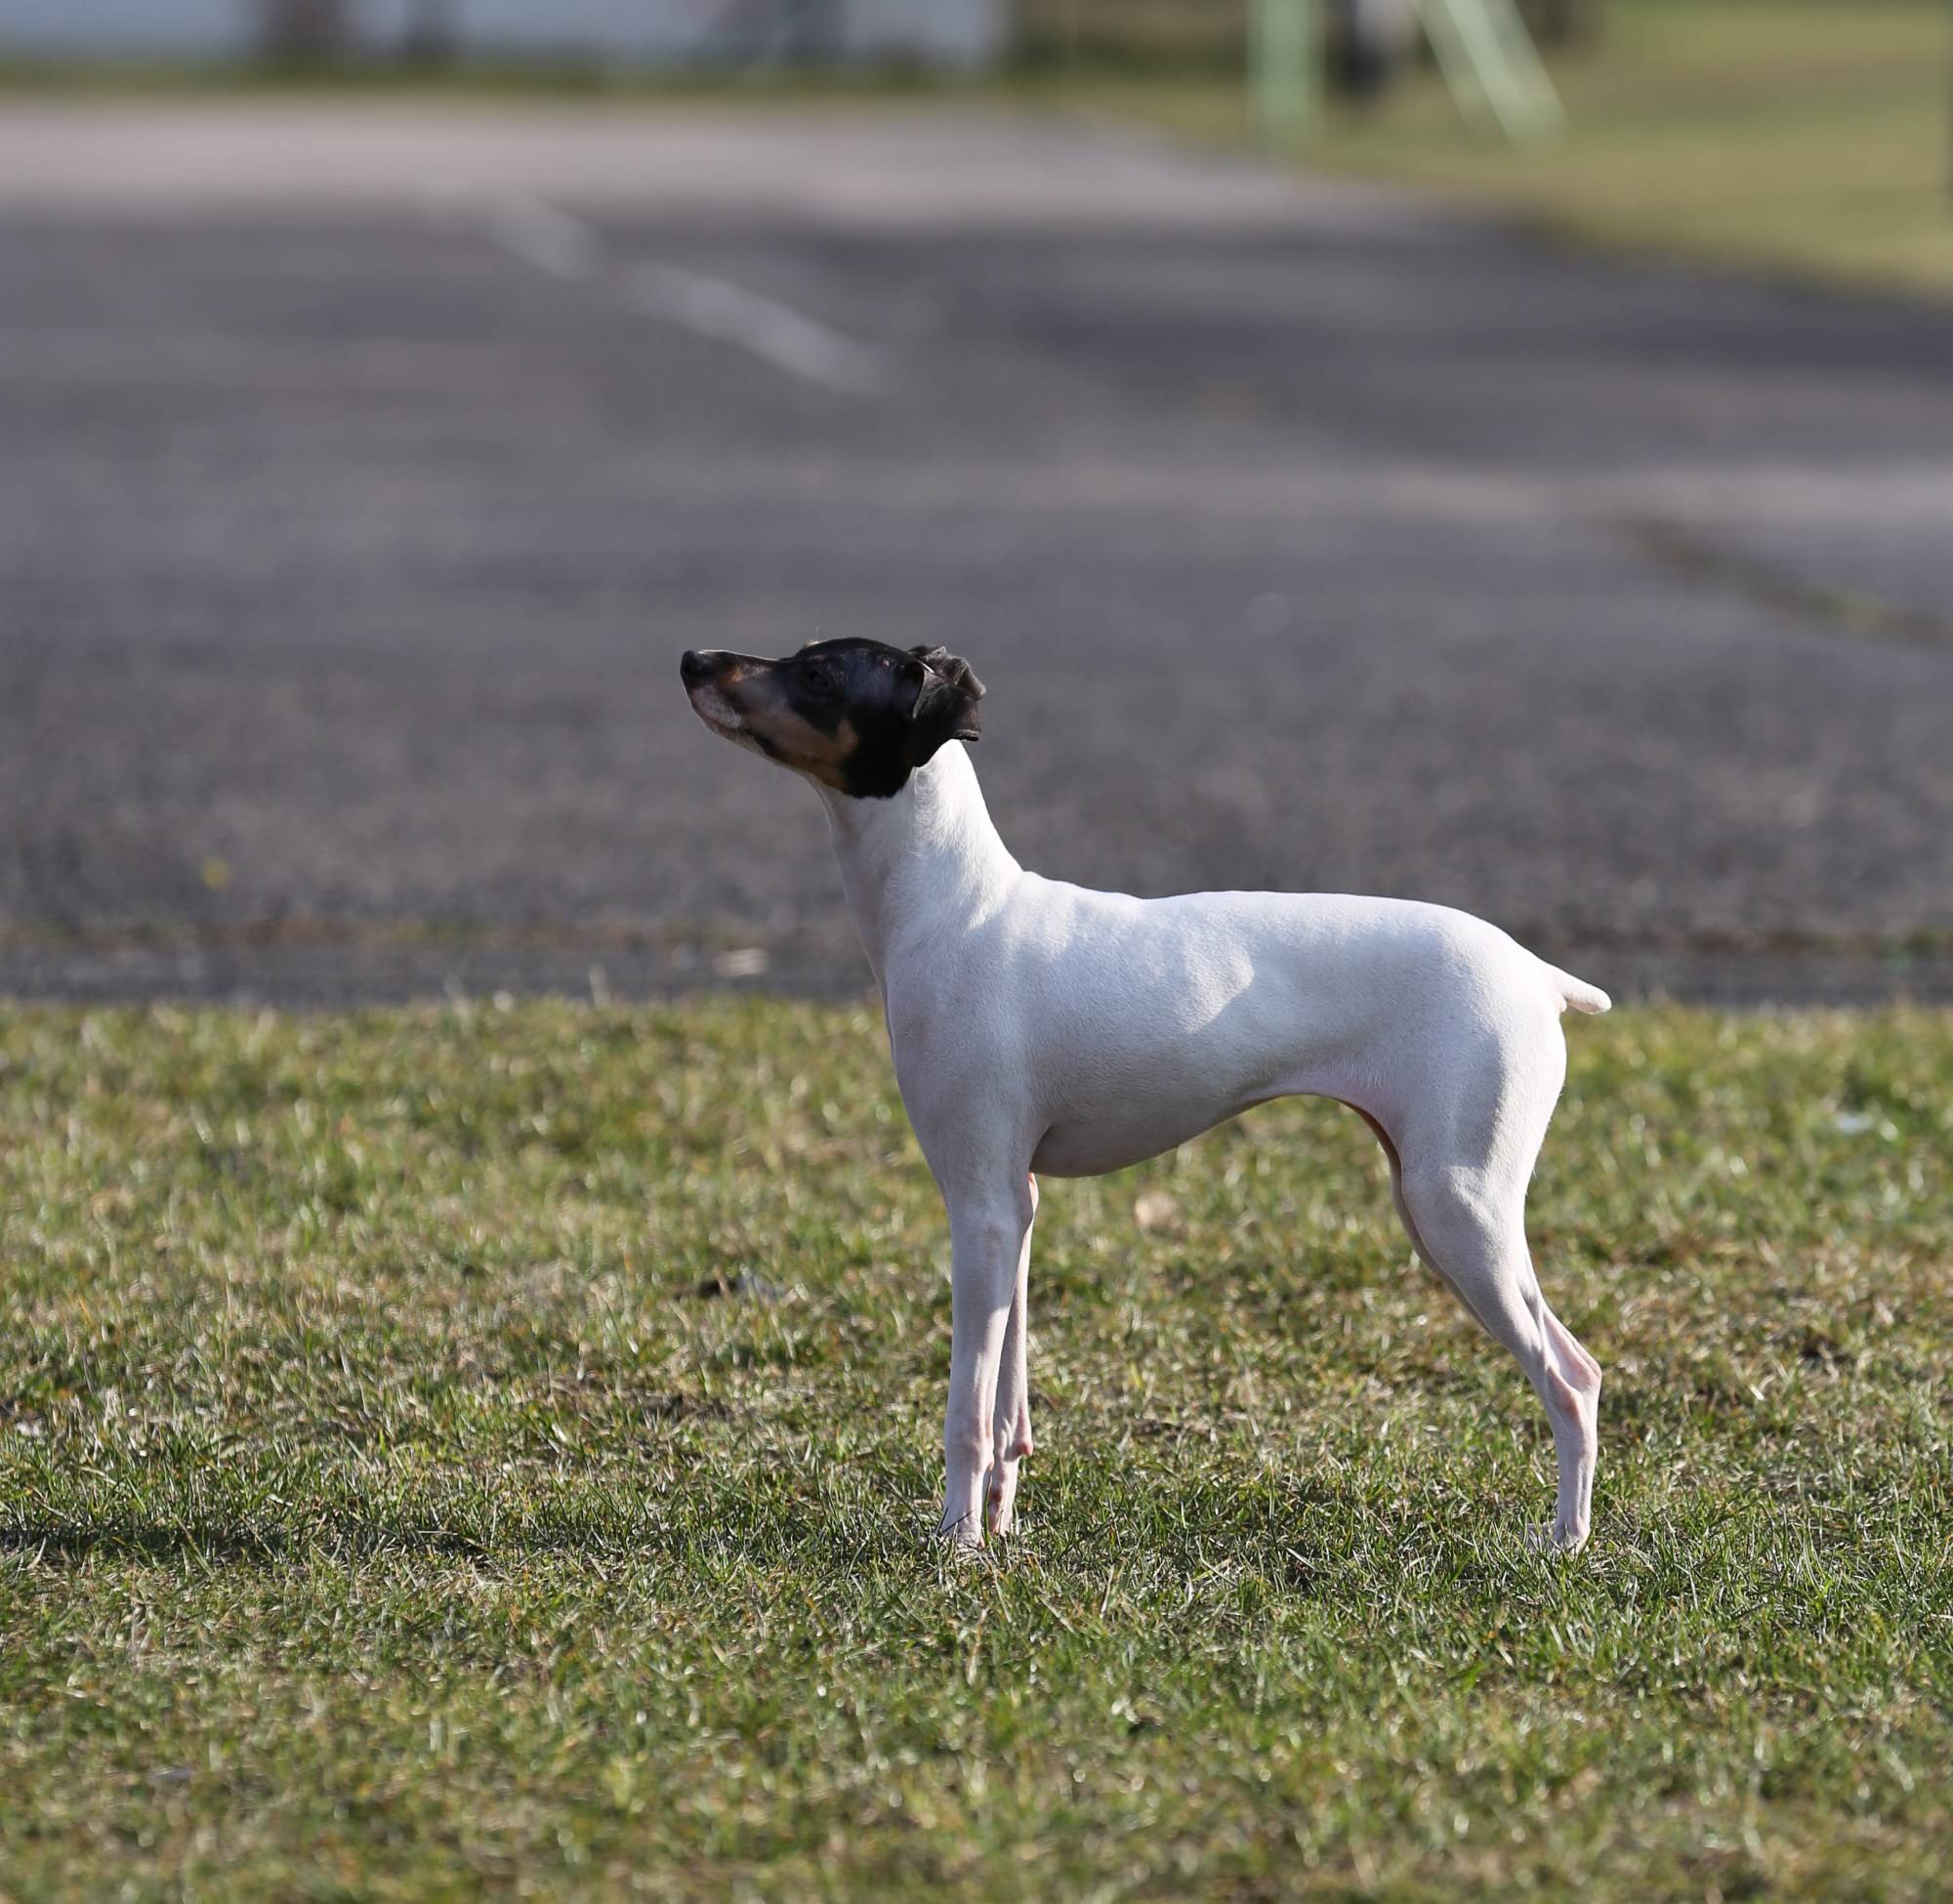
(364, 471)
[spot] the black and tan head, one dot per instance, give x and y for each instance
(857, 716)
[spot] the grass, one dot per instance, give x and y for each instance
(486, 1450)
(1805, 136)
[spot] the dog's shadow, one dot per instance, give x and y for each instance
(210, 1543)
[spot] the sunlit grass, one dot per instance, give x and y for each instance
(478, 1449)
(1804, 135)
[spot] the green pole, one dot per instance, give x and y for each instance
(1282, 73)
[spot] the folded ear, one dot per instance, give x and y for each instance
(945, 710)
(952, 668)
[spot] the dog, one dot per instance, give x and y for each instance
(1044, 1028)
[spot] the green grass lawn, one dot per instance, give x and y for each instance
(483, 1449)
(1811, 135)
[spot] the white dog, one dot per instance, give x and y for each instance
(1038, 1026)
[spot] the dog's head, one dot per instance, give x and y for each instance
(857, 716)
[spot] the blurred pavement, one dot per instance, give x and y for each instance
(364, 469)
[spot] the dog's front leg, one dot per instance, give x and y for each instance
(1010, 1421)
(989, 1232)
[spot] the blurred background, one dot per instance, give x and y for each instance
(1493, 453)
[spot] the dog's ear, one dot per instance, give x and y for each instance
(952, 668)
(946, 708)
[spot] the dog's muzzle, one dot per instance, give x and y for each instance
(705, 672)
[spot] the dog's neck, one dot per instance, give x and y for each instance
(927, 857)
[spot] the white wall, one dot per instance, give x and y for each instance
(109, 27)
(946, 32)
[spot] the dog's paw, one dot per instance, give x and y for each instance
(1550, 1537)
(1001, 1499)
(960, 1538)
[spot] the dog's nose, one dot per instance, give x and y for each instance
(696, 665)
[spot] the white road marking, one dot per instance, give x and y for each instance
(553, 241)
(540, 234)
(786, 338)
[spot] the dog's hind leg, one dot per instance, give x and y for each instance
(1463, 1197)
(1470, 1230)
(1010, 1420)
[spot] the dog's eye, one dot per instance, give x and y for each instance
(821, 677)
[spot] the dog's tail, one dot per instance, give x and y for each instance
(1576, 992)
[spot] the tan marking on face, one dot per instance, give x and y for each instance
(766, 715)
